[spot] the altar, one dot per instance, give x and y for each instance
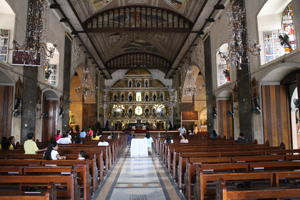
(139, 126)
(139, 148)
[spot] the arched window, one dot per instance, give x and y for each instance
(51, 68)
(275, 28)
(223, 69)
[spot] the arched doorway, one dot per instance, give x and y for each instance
(225, 114)
(50, 109)
(82, 104)
(6, 103)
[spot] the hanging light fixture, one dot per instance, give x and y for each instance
(35, 44)
(234, 55)
(191, 88)
(85, 90)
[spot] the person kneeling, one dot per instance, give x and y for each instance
(51, 153)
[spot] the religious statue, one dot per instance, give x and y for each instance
(154, 97)
(146, 84)
(115, 97)
(72, 118)
(129, 84)
(130, 97)
(122, 97)
(147, 97)
(161, 97)
(19, 89)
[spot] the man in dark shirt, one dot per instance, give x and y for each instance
(242, 139)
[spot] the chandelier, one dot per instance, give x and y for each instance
(158, 107)
(191, 88)
(118, 108)
(35, 44)
(103, 102)
(234, 56)
(172, 100)
(85, 90)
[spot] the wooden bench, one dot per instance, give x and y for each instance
(49, 194)
(70, 181)
(222, 193)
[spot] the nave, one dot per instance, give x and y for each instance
(138, 178)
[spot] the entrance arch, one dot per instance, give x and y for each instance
(225, 120)
(49, 114)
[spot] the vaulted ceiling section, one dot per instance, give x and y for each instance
(149, 34)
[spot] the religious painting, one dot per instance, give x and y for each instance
(19, 89)
(138, 96)
(97, 4)
(177, 4)
(254, 90)
(137, 1)
(139, 45)
(115, 37)
(38, 95)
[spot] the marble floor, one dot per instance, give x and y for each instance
(138, 179)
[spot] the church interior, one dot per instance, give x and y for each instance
(168, 99)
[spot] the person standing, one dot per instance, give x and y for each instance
(129, 138)
(30, 146)
(149, 143)
(182, 130)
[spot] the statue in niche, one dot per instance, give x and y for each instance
(72, 118)
(19, 89)
(115, 98)
(138, 84)
(147, 97)
(130, 97)
(122, 97)
(130, 112)
(38, 95)
(154, 97)
(129, 84)
(161, 97)
(147, 111)
(146, 83)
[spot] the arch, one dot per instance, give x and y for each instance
(225, 93)
(6, 78)
(279, 71)
(50, 94)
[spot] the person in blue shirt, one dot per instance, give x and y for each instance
(149, 143)
(82, 133)
(213, 134)
(129, 138)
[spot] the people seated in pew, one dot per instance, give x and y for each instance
(95, 136)
(81, 155)
(51, 153)
(168, 139)
(213, 134)
(58, 135)
(70, 133)
(5, 145)
(77, 140)
(99, 133)
(90, 132)
(242, 139)
(149, 142)
(82, 133)
(12, 141)
(30, 146)
(129, 138)
(182, 130)
(102, 142)
(184, 139)
(65, 139)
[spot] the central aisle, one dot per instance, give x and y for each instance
(138, 179)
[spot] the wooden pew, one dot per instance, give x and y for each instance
(43, 180)
(273, 177)
(258, 193)
(49, 194)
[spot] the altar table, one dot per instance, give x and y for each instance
(139, 148)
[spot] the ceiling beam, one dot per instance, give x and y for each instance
(109, 30)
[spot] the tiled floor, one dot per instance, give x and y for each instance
(138, 179)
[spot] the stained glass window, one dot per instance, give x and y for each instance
(288, 27)
(4, 38)
(50, 73)
(222, 67)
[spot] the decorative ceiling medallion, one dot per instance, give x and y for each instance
(98, 4)
(139, 45)
(177, 4)
(137, 1)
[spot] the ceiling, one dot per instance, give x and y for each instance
(150, 34)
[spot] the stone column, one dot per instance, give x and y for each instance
(244, 89)
(66, 83)
(29, 102)
(209, 84)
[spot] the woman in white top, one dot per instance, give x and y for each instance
(183, 139)
(102, 142)
(64, 139)
(51, 153)
(168, 139)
